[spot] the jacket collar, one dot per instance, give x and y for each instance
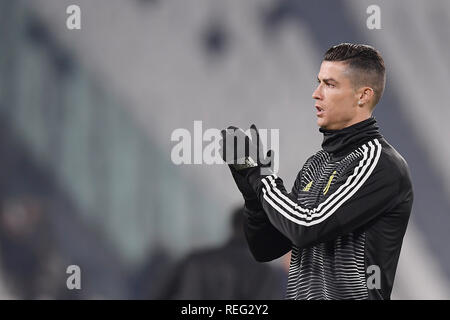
(339, 142)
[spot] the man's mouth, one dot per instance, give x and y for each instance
(320, 110)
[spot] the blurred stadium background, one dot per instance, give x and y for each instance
(87, 115)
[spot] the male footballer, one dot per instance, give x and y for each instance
(348, 210)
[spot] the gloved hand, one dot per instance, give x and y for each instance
(245, 159)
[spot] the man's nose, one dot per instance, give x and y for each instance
(317, 94)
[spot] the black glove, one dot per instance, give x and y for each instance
(244, 157)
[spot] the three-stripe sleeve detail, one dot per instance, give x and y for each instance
(307, 217)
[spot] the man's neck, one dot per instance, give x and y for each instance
(353, 121)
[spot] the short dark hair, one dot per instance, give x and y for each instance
(365, 63)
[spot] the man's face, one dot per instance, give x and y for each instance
(336, 99)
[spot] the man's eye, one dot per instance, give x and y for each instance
(330, 85)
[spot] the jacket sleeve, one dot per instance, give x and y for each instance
(361, 193)
(265, 242)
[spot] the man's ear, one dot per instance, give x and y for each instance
(366, 96)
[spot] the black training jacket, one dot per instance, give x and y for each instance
(344, 219)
